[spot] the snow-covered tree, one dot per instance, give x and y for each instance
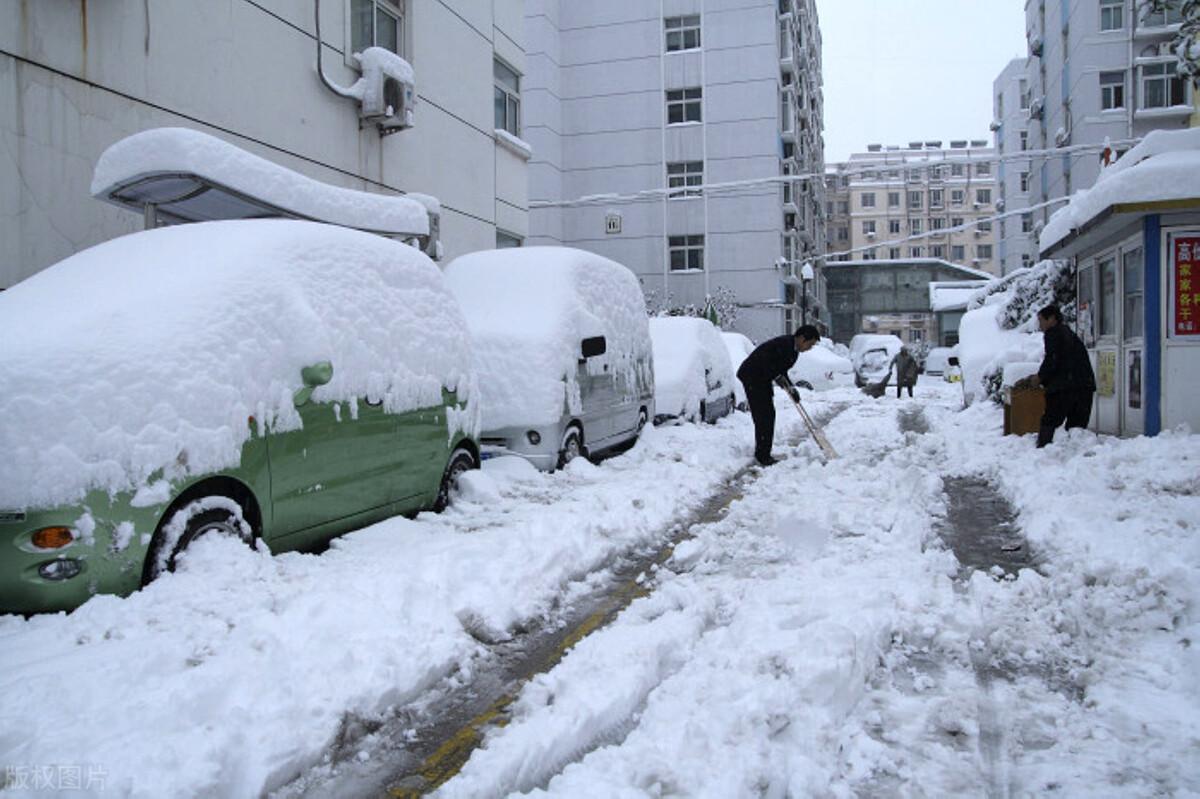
(1187, 40)
(720, 308)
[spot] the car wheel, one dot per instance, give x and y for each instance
(572, 446)
(461, 461)
(643, 418)
(207, 516)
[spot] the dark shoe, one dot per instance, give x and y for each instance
(766, 460)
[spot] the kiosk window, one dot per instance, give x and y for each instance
(1131, 266)
(1108, 297)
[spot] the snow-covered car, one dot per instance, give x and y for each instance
(938, 360)
(738, 347)
(820, 368)
(562, 350)
(871, 355)
(270, 380)
(693, 376)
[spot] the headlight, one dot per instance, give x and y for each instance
(534, 437)
(61, 569)
(52, 537)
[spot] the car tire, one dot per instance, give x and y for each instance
(572, 446)
(643, 420)
(461, 461)
(197, 521)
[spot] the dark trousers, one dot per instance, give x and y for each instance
(762, 411)
(1072, 407)
(899, 387)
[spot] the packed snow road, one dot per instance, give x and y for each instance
(817, 637)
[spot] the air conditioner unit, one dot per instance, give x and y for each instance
(995, 126)
(387, 90)
(1036, 108)
(1035, 46)
(1061, 137)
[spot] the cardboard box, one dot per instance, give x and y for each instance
(1023, 409)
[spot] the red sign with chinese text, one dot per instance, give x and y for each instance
(1185, 288)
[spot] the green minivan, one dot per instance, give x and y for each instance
(278, 381)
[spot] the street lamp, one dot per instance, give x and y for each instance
(806, 276)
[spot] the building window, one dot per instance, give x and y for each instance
(984, 226)
(956, 196)
(1026, 223)
(958, 252)
(1112, 90)
(893, 174)
(916, 227)
(843, 234)
(1108, 297)
(508, 98)
(1157, 19)
(684, 179)
(869, 255)
(983, 252)
(868, 227)
(956, 170)
(683, 105)
(893, 199)
(894, 253)
(687, 252)
(1131, 265)
(506, 240)
(956, 221)
(1110, 15)
(916, 252)
(983, 168)
(1024, 181)
(937, 251)
(983, 196)
(787, 117)
(868, 199)
(785, 40)
(1026, 260)
(914, 176)
(1161, 86)
(843, 207)
(914, 199)
(935, 198)
(376, 23)
(894, 227)
(937, 223)
(683, 33)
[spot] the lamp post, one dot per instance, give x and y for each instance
(806, 276)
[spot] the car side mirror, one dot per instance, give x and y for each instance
(591, 347)
(318, 374)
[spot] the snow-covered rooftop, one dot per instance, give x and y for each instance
(969, 270)
(945, 295)
(1164, 166)
(175, 155)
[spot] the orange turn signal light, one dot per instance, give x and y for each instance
(52, 537)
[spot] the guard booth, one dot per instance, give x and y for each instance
(1137, 262)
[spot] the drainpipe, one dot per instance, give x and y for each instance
(333, 87)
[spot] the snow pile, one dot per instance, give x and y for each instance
(689, 356)
(738, 347)
(1000, 330)
(529, 309)
(820, 366)
(150, 352)
(166, 151)
(1164, 166)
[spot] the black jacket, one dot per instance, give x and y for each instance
(907, 369)
(769, 360)
(1066, 366)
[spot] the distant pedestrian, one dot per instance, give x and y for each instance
(1066, 375)
(770, 362)
(907, 370)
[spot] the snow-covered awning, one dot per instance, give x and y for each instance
(188, 176)
(952, 295)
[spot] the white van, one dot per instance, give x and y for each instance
(562, 348)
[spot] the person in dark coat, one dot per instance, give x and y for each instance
(1066, 376)
(907, 369)
(769, 363)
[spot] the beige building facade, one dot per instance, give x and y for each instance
(919, 201)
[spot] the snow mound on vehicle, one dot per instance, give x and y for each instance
(528, 309)
(684, 347)
(148, 355)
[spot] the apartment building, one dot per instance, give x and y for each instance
(1016, 245)
(923, 200)
(1097, 70)
(75, 77)
(662, 137)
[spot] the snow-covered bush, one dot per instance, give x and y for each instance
(1001, 323)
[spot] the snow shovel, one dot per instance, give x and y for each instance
(877, 390)
(817, 433)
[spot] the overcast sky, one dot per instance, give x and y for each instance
(897, 71)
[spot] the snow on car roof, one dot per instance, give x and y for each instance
(181, 152)
(118, 359)
(528, 309)
(684, 347)
(1164, 166)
